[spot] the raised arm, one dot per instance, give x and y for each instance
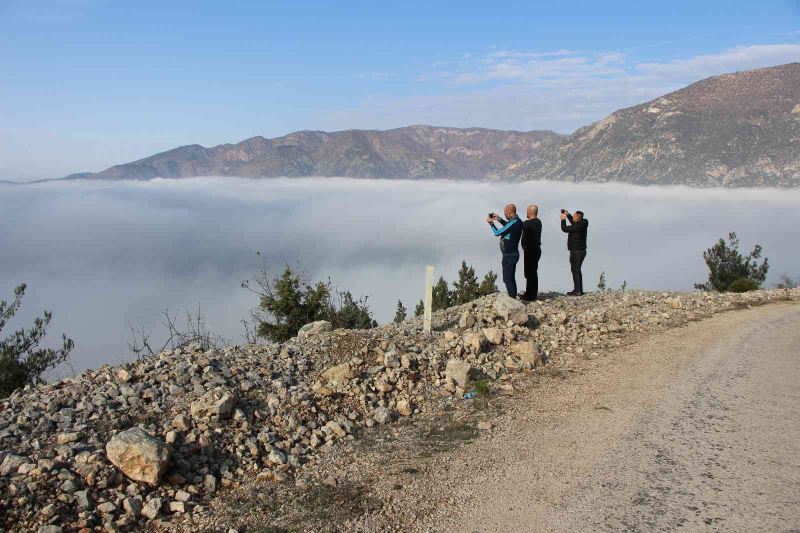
(499, 232)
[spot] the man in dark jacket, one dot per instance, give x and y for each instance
(532, 246)
(509, 234)
(576, 244)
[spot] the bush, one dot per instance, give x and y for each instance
(786, 282)
(727, 265)
(743, 285)
(290, 301)
(22, 362)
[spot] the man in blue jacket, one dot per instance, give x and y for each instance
(509, 234)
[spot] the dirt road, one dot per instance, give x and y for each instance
(694, 429)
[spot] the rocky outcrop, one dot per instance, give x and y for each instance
(156, 439)
(733, 130)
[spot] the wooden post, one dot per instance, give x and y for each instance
(426, 320)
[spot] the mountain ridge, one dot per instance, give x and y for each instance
(733, 130)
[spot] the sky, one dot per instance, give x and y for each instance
(87, 84)
(106, 255)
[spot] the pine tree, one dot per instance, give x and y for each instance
(22, 361)
(401, 312)
(441, 295)
(419, 310)
(726, 265)
(488, 285)
(466, 288)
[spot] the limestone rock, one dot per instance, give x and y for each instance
(404, 408)
(529, 353)
(509, 308)
(467, 320)
(474, 342)
(139, 455)
(493, 335)
(338, 375)
(218, 402)
(152, 508)
(457, 372)
(314, 328)
(383, 415)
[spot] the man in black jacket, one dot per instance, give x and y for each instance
(576, 244)
(532, 246)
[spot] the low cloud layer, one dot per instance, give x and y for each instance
(101, 255)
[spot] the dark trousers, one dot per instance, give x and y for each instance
(509, 270)
(576, 258)
(532, 272)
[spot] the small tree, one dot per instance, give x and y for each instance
(726, 265)
(488, 285)
(419, 310)
(466, 288)
(623, 286)
(601, 284)
(401, 312)
(344, 311)
(441, 295)
(290, 301)
(22, 362)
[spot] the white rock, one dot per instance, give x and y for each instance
(218, 402)
(139, 455)
(314, 328)
(493, 335)
(338, 375)
(457, 371)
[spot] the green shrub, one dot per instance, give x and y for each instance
(743, 285)
(726, 264)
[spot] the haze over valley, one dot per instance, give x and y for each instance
(103, 254)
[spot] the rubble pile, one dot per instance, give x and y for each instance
(116, 447)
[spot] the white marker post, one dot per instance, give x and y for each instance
(426, 317)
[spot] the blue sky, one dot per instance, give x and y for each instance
(87, 84)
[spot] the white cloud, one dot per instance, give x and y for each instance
(560, 89)
(738, 58)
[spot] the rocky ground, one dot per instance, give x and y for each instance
(267, 438)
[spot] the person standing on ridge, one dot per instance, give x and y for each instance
(576, 244)
(532, 246)
(509, 234)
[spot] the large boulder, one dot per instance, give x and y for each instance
(139, 455)
(509, 308)
(314, 328)
(338, 375)
(216, 403)
(457, 372)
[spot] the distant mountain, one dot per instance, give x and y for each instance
(740, 129)
(411, 152)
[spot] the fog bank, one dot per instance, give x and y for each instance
(101, 255)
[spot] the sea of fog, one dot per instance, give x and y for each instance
(103, 255)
